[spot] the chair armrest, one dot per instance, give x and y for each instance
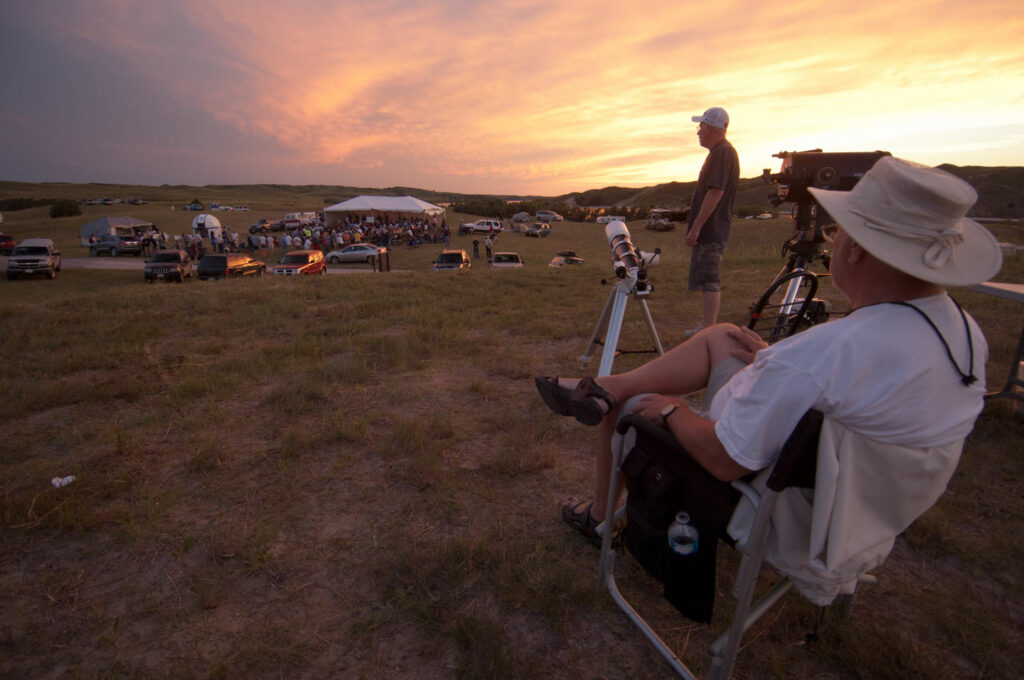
(650, 431)
(798, 460)
(752, 494)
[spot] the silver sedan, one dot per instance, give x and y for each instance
(357, 252)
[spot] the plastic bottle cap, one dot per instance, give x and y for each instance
(682, 517)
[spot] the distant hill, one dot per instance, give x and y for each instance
(1000, 193)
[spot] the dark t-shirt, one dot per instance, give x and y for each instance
(721, 170)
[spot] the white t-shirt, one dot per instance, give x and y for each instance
(881, 371)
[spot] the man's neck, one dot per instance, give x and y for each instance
(901, 290)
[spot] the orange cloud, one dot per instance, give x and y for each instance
(549, 96)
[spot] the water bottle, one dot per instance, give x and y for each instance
(682, 537)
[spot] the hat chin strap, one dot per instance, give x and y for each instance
(942, 242)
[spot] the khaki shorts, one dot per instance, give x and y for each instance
(705, 263)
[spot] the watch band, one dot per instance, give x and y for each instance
(666, 412)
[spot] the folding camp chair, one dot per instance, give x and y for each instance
(865, 494)
(795, 467)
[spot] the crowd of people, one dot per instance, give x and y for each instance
(384, 232)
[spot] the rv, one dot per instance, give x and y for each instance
(304, 219)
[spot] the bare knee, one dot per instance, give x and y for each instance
(720, 341)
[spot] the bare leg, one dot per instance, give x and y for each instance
(603, 462)
(681, 370)
(710, 301)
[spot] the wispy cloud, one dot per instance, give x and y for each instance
(538, 97)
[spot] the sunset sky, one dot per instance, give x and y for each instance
(515, 97)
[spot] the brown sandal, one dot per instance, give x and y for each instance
(583, 402)
(576, 513)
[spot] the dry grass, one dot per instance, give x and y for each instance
(352, 477)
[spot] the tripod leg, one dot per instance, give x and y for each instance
(599, 330)
(650, 327)
(611, 341)
(780, 313)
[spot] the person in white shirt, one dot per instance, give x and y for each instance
(906, 367)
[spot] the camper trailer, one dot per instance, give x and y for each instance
(304, 218)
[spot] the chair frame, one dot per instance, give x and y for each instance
(793, 468)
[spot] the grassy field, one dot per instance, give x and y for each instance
(352, 476)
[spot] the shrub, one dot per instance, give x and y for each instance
(64, 207)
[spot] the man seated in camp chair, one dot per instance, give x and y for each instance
(904, 368)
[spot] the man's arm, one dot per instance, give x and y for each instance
(707, 209)
(696, 434)
(698, 437)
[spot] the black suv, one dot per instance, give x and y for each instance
(116, 244)
(228, 264)
(170, 265)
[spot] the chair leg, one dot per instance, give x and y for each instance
(727, 647)
(843, 605)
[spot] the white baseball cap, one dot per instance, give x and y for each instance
(715, 117)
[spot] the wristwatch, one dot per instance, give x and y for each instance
(666, 412)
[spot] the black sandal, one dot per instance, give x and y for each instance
(579, 518)
(583, 402)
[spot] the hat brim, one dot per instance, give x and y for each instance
(976, 259)
(702, 119)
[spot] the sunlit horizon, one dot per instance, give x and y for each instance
(516, 98)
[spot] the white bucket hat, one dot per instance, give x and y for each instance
(912, 218)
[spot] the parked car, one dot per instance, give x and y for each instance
(608, 219)
(539, 230)
(34, 256)
(483, 226)
(357, 252)
(6, 244)
(228, 264)
(259, 226)
(194, 206)
(565, 258)
(116, 244)
(521, 217)
(297, 262)
(452, 259)
(548, 216)
(241, 207)
(765, 216)
(664, 219)
(170, 265)
(506, 261)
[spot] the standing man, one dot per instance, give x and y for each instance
(711, 212)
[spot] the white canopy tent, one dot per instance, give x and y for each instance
(378, 206)
(128, 226)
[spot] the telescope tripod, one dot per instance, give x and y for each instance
(788, 305)
(609, 325)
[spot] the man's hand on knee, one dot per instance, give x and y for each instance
(746, 343)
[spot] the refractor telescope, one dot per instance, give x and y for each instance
(628, 264)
